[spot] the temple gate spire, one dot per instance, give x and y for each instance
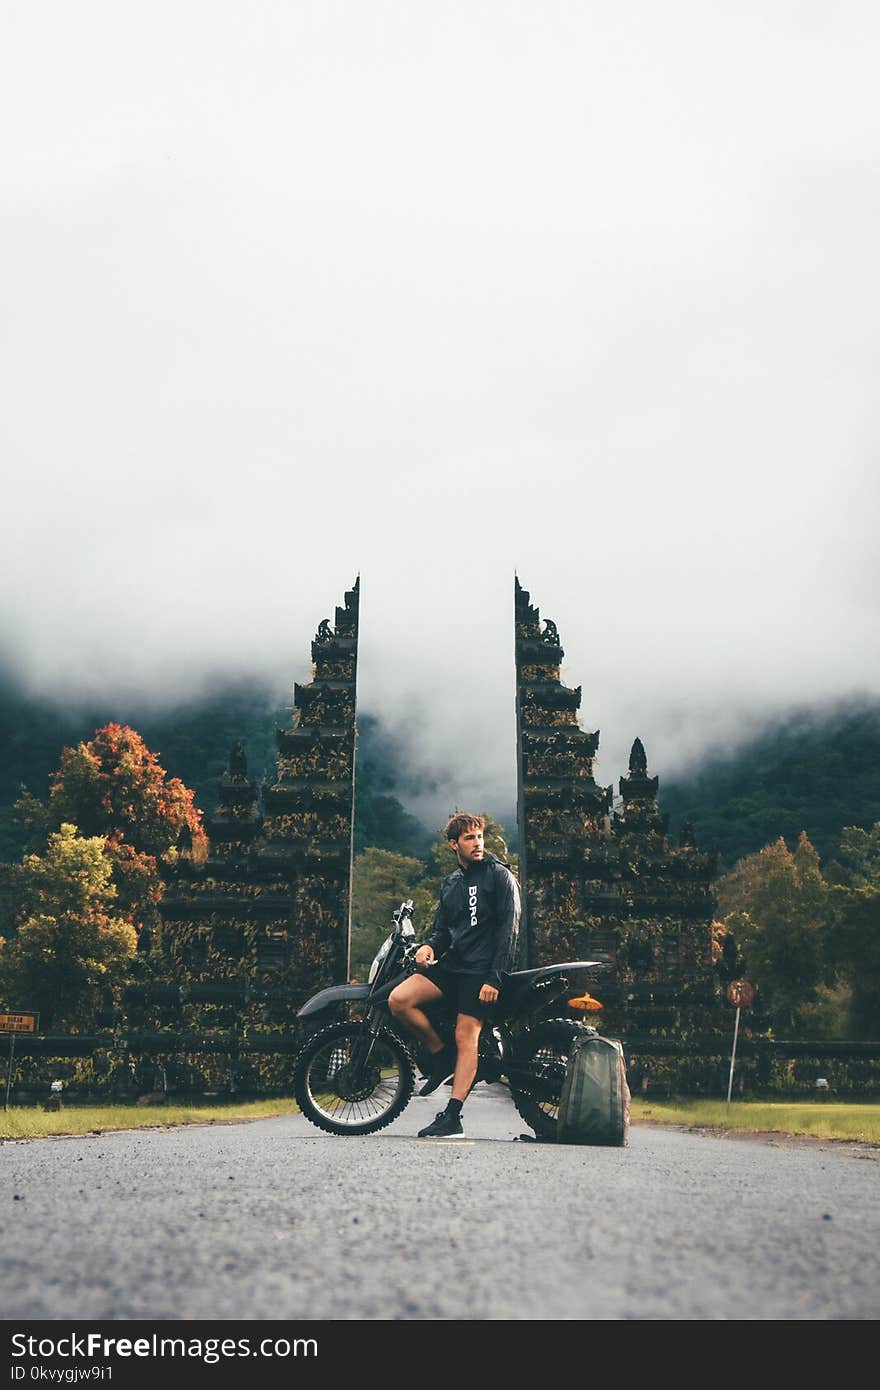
(598, 885)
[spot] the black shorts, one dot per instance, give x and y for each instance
(461, 991)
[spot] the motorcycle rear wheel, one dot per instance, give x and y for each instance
(545, 1054)
(340, 1093)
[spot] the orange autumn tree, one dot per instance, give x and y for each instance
(115, 787)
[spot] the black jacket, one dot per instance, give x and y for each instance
(476, 924)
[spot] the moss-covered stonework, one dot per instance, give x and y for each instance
(267, 910)
(599, 884)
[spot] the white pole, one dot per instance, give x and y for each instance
(9, 1070)
(733, 1056)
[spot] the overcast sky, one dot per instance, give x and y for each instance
(432, 292)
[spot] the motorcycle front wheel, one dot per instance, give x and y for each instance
(539, 1071)
(345, 1085)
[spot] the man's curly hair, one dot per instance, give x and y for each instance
(461, 822)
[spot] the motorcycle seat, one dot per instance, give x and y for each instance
(516, 984)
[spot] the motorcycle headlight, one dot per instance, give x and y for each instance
(380, 956)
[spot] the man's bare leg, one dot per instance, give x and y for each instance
(448, 1124)
(467, 1038)
(404, 1003)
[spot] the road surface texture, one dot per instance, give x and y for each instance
(275, 1219)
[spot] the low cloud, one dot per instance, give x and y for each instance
(592, 297)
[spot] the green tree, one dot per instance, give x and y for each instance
(380, 883)
(858, 861)
(777, 905)
(69, 946)
(855, 932)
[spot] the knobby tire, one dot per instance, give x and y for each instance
(548, 1042)
(335, 1040)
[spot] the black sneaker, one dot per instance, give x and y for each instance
(442, 1067)
(445, 1126)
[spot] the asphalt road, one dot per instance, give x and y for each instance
(276, 1220)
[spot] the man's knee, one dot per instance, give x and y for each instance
(397, 1001)
(467, 1030)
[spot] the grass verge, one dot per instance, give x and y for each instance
(829, 1120)
(826, 1120)
(32, 1122)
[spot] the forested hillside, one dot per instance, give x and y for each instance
(193, 742)
(818, 770)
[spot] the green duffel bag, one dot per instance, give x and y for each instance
(594, 1104)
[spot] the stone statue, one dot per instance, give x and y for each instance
(237, 760)
(687, 838)
(638, 761)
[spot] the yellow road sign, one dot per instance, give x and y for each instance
(18, 1023)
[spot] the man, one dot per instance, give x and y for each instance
(472, 942)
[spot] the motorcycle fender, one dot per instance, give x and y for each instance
(337, 994)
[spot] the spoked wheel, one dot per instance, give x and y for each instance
(538, 1071)
(347, 1082)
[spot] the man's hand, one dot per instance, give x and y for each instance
(488, 994)
(425, 955)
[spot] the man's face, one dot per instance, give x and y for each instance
(468, 847)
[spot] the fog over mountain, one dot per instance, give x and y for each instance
(433, 294)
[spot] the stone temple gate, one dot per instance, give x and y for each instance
(262, 921)
(598, 883)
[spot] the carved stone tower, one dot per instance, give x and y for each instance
(268, 909)
(598, 885)
(561, 812)
(309, 810)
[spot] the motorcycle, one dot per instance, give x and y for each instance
(356, 1075)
